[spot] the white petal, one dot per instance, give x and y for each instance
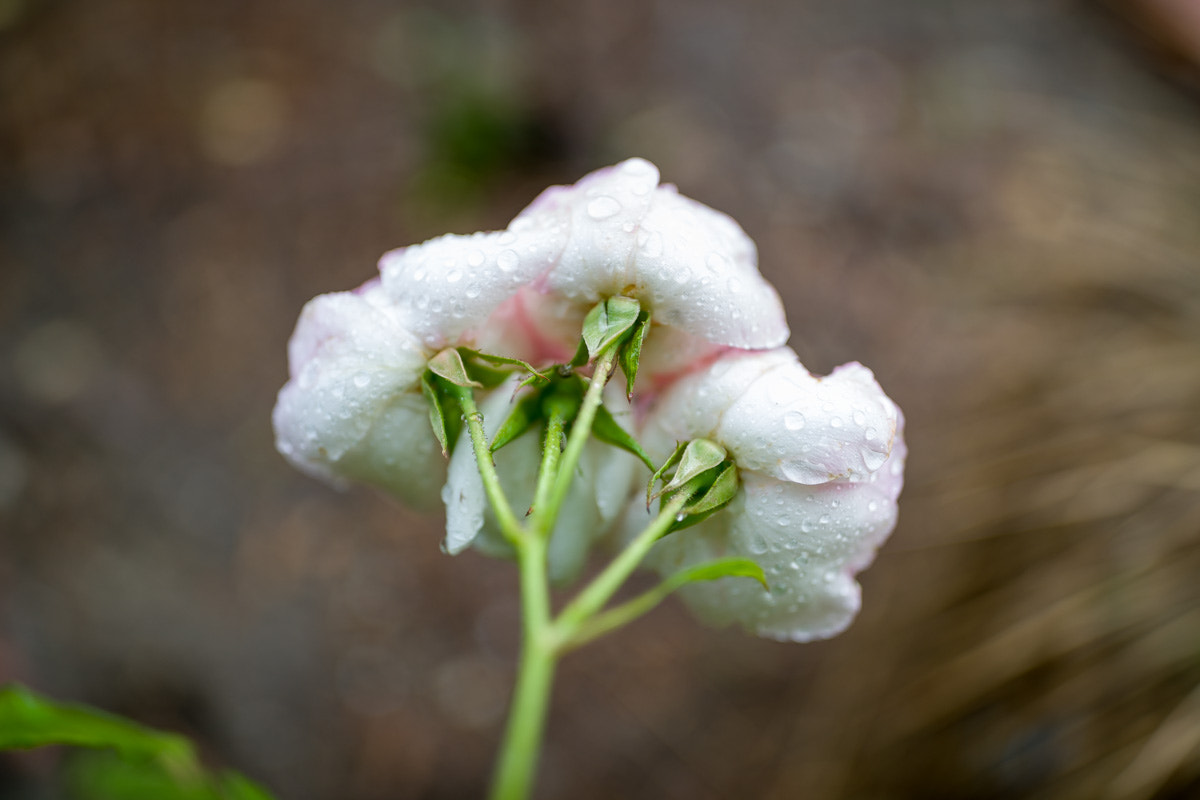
(777, 418)
(352, 408)
(810, 541)
(693, 267)
(451, 285)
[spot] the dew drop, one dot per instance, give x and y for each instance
(824, 519)
(836, 422)
(472, 292)
(872, 506)
(860, 418)
(734, 285)
(475, 258)
(506, 238)
(603, 207)
(717, 262)
(508, 260)
(454, 275)
(757, 545)
(651, 243)
(870, 434)
(362, 379)
(793, 420)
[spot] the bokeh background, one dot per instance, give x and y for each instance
(995, 205)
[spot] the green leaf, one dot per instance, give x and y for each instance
(608, 430)
(608, 322)
(485, 375)
(658, 473)
(631, 352)
(699, 457)
(30, 720)
(525, 412)
(104, 776)
(448, 365)
(712, 570)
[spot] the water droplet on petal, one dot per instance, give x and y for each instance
(757, 545)
(872, 506)
(734, 285)
(603, 207)
(475, 258)
(717, 262)
(794, 420)
(860, 418)
(836, 422)
(454, 275)
(362, 379)
(508, 260)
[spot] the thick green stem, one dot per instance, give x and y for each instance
(551, 453)
(605, 585)
(517, 763)
(581, 428)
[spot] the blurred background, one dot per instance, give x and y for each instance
(995, 205)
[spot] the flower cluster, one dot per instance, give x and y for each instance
(819, 461)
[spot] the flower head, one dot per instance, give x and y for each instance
(821, 462)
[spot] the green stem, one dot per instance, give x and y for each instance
(517, 762)
(581, 428)
(588, 602)
(509, 524)
(551, 453)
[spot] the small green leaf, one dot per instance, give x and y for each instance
(723, 489)
(448, 365)
(525, 412)
(631, 352)
(608, 322)
(608, 430)
(658, 473)
(721, 568)
(698, 457)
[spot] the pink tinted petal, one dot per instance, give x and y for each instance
(352, 408)
(694, 268)
(698, 271)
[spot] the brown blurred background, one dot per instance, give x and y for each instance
(995, 205)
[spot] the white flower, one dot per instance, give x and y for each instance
(821, 462)
(353, 409)
(621, 233)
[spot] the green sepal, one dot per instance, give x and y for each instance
(608, 322)
(699, 457)
(608, 430)
(581, 355)
(718, 495)
(525, 412)
(671, 461)
(448, 365)
(485, 375)
(505, 361)
(437, 413)
(105, 776)
(712, 570)
(631, 352)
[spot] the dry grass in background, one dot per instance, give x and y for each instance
(994, 205)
